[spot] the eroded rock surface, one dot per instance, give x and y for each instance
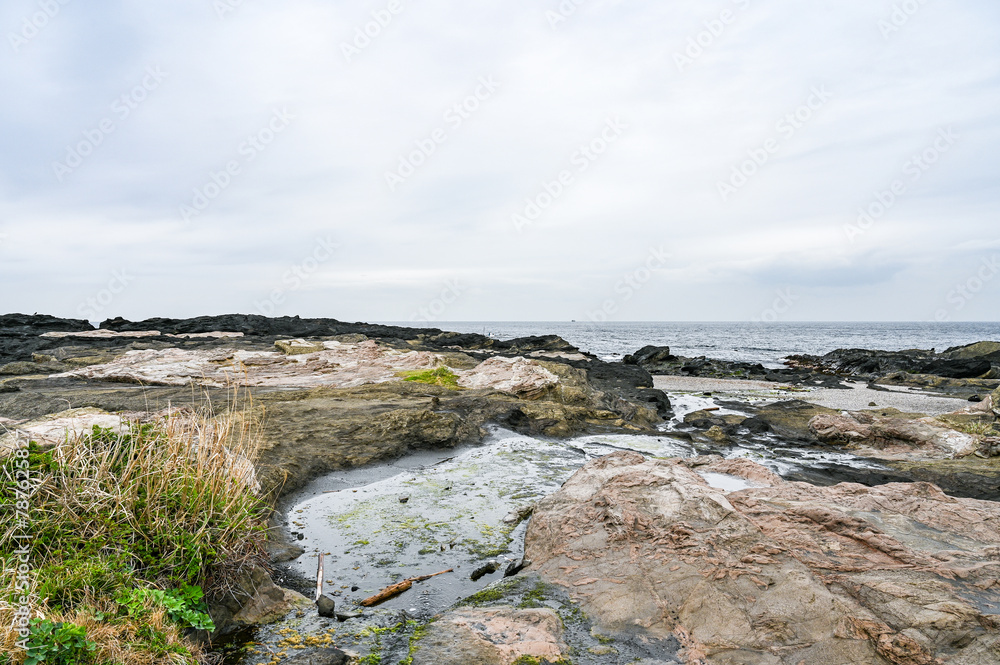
(788, 574)
(494, 636)
(894, 437)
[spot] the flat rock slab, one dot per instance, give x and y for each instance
(782, 574)
(495, 636)
(55, 429)
(302, 364)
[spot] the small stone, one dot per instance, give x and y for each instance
(872, 404)
(514, 567)
(486, 569)
(344, 616)
(326, 605)
(355, 588)
(300, 536)
(976, 398)
(404, 499)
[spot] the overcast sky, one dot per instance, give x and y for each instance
(396, 160)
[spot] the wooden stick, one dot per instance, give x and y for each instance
(398, 588)
(427, 577)
(319, 577)
(387, 593)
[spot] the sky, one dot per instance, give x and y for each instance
(421, 160)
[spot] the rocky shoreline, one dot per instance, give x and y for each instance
(894, 546)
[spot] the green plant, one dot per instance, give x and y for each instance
(184, 606)
(442, 376)
(58, 644)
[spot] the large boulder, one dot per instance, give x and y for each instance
(779, 574)
(995, 402)
(649, 355)
(988, 350)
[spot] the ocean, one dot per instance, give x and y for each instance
(766, 343)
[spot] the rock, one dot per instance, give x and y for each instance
(514, 567)
(495, 636)
(486, 569)
(104, 334)
(755, 425)
(318, 657)
(995, 402)
(894, 437)
(986, 350)
(871, 364)
(791, 418)
(294, 347)
(54, 429)
(779, 575)
(338, 365)
(649, 355)
(718, 434)
(958, 368)
(344, 615)
(519, 515)
(25, 368)
(256, 600)
(404, 499)
(326, 606)
(518, 377)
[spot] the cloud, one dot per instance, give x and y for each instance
(558, 83)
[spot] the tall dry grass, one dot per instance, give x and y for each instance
(170, 499)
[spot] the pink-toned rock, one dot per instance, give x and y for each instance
(517, 376)
(497, 636)
(900, 574)
(306, 364)
(56, 428)
(337, 365)
(104, 334)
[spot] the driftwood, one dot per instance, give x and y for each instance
(398, 588)
(319, 576)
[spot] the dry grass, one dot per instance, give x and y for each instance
(170, 501)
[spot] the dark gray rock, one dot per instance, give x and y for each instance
(327, 606)
(486, 569)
